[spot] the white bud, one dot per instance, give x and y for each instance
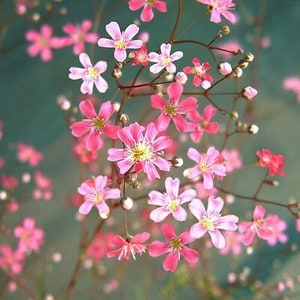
(224, 68)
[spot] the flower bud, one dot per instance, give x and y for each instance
(253, 129)
(237, 72)
(234, 115)
(249, 57)
(124, 119)
(243, 64)
(117, 73)
(176, 162)
(224, 68)
(205, 84)
(181, 78)
(127, 203)
(226, 29)
(249, 92)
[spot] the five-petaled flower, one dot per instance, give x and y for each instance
(164, 59)
(78, 35)
(174, 247)
(95, 123)
(173, 109)
(142, 151)
(120, 40)
(199, 71)
(220, 7)
(170, 202)
(95, 193)
(129, 246)
(208, 165)
(211, 221)
(11, 260)
(90, 75)
(147, 13)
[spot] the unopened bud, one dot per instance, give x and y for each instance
(117, 73)
(181, 78)
(127, 203)
(224, 68)
(226, 29)
(124, 119)
(205, 84)
(234, 115)
(249, 57)
(253, 129)
(177, 162)
(243, 64)
(249, 92)
(237, 72)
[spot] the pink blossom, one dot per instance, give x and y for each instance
(226, 48)
(211, 221)
(143, 151)
(208, 165)
(277, 226)
(140, 56)
(170, 202)
(232, 159)
(120, 40)
(249, 92)
(29, 153)
(78, 35)
(173, 109)
(95, 124)
(95, 193)
(10, 260)
(90, 75)
(292, 83)
(200, 73)
(203, 123)
(181, 77)
(43, 189)
(220, 7)
(23, 5)
(147, 13)
(30, 237)
(42, 42)
(9, 182)
(259, 226)
(129, 246)
(233, 243)
(174, 247)
(164, 59)
(82, 153)
(297, 225)
(274, 162)
(224, 68)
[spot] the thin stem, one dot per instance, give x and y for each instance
(178, 17)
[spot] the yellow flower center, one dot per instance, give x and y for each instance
(172, 204)
(140, 152)
(207, 223)
(151, 2)
(175, 243)
(98, 124)
(96, 198)
(120, 44)
(93, 73)
(166, 61)
(170, 109)
(204, 166)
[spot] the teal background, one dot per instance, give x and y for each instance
(28, 109)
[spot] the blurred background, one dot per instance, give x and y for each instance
(29, 89)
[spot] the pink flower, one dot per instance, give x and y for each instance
(199, 71)
(143, 151)
(120, 40)
(172, 109)
(226, 48)
(277, 226)
(82, 153)
(29, 153)
(140, 56)
(258, 226)
(170, 202)
(78, 35)
(30, 237)
(22, 5)
(95, 193)
(42, 42)
(220, 7)
(292, 83)
(12, 261)
(164, 59)
(232, 159)
(249, 92)
(211, 221)
(95, 124)
(208, 165)
(43, 189)
(233, 243)
(174, 247)
(202, 123)
(274, 162)
(148, 5)
(90, 75)
(129, 247)
(9, 182)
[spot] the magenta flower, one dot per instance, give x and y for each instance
(30, 237)
(172, 109)
(120, 40)
(95, 123)
(10, 260)
(175, 247)
(90, 75)
(164, 59)
(220, 7)
(129, 247)
(211, 221)
(147, 13)
(208, 165)
(259, 226)
(170, 202)
(142, 151)
(203, 123)
(78, 35)
(292, 83)
(42, 42)
(199, 71)
(140, 56)
(95, 193)
(29, 153)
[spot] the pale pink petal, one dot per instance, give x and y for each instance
(85, 60)
(107, 43)
(217, 239)
(113, 29)
(159, 214)
(130, 32)
(85, 207)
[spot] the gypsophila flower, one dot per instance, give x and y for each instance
(90, 75)
(211, 221)
(170, 202)
(120, 40)
(164, 59)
